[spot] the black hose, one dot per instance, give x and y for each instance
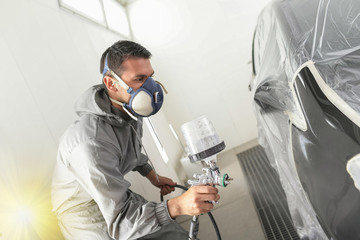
(182, 187)
(215, 225)
(209, 213)
(178, 186)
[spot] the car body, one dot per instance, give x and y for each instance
(306, 61)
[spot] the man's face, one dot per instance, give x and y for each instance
(136, 71)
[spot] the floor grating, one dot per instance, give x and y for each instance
(268, 195)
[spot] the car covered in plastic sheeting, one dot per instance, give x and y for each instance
(306, 60)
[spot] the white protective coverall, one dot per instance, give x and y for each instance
(90, 196)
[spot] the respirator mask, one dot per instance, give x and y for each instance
(145, 101)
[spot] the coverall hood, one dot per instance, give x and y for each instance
(96, 101)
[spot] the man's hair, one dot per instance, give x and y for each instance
(121, 51)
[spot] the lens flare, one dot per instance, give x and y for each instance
(24, 215)
(25, 211)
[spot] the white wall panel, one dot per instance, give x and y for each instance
(58, 41)
(22, 122)
(30, 48)
(82, 46)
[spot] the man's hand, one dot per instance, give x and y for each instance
(194, 201)
(164, 183)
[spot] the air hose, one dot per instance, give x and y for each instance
(209, 213)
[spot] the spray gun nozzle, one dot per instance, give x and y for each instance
(226, 180)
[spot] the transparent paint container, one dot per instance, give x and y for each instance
(200, 137)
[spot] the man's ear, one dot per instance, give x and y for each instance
(110, 84)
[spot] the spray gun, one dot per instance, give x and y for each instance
(210, 176)
(203, 144)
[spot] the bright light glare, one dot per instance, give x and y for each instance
(24, 215)
(25, 210)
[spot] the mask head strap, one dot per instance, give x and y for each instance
(120, 81)
(106, 67)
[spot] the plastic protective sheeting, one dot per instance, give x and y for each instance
(289, 36)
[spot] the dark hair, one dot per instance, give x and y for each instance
(121, 51)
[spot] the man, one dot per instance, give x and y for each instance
(90, 195)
